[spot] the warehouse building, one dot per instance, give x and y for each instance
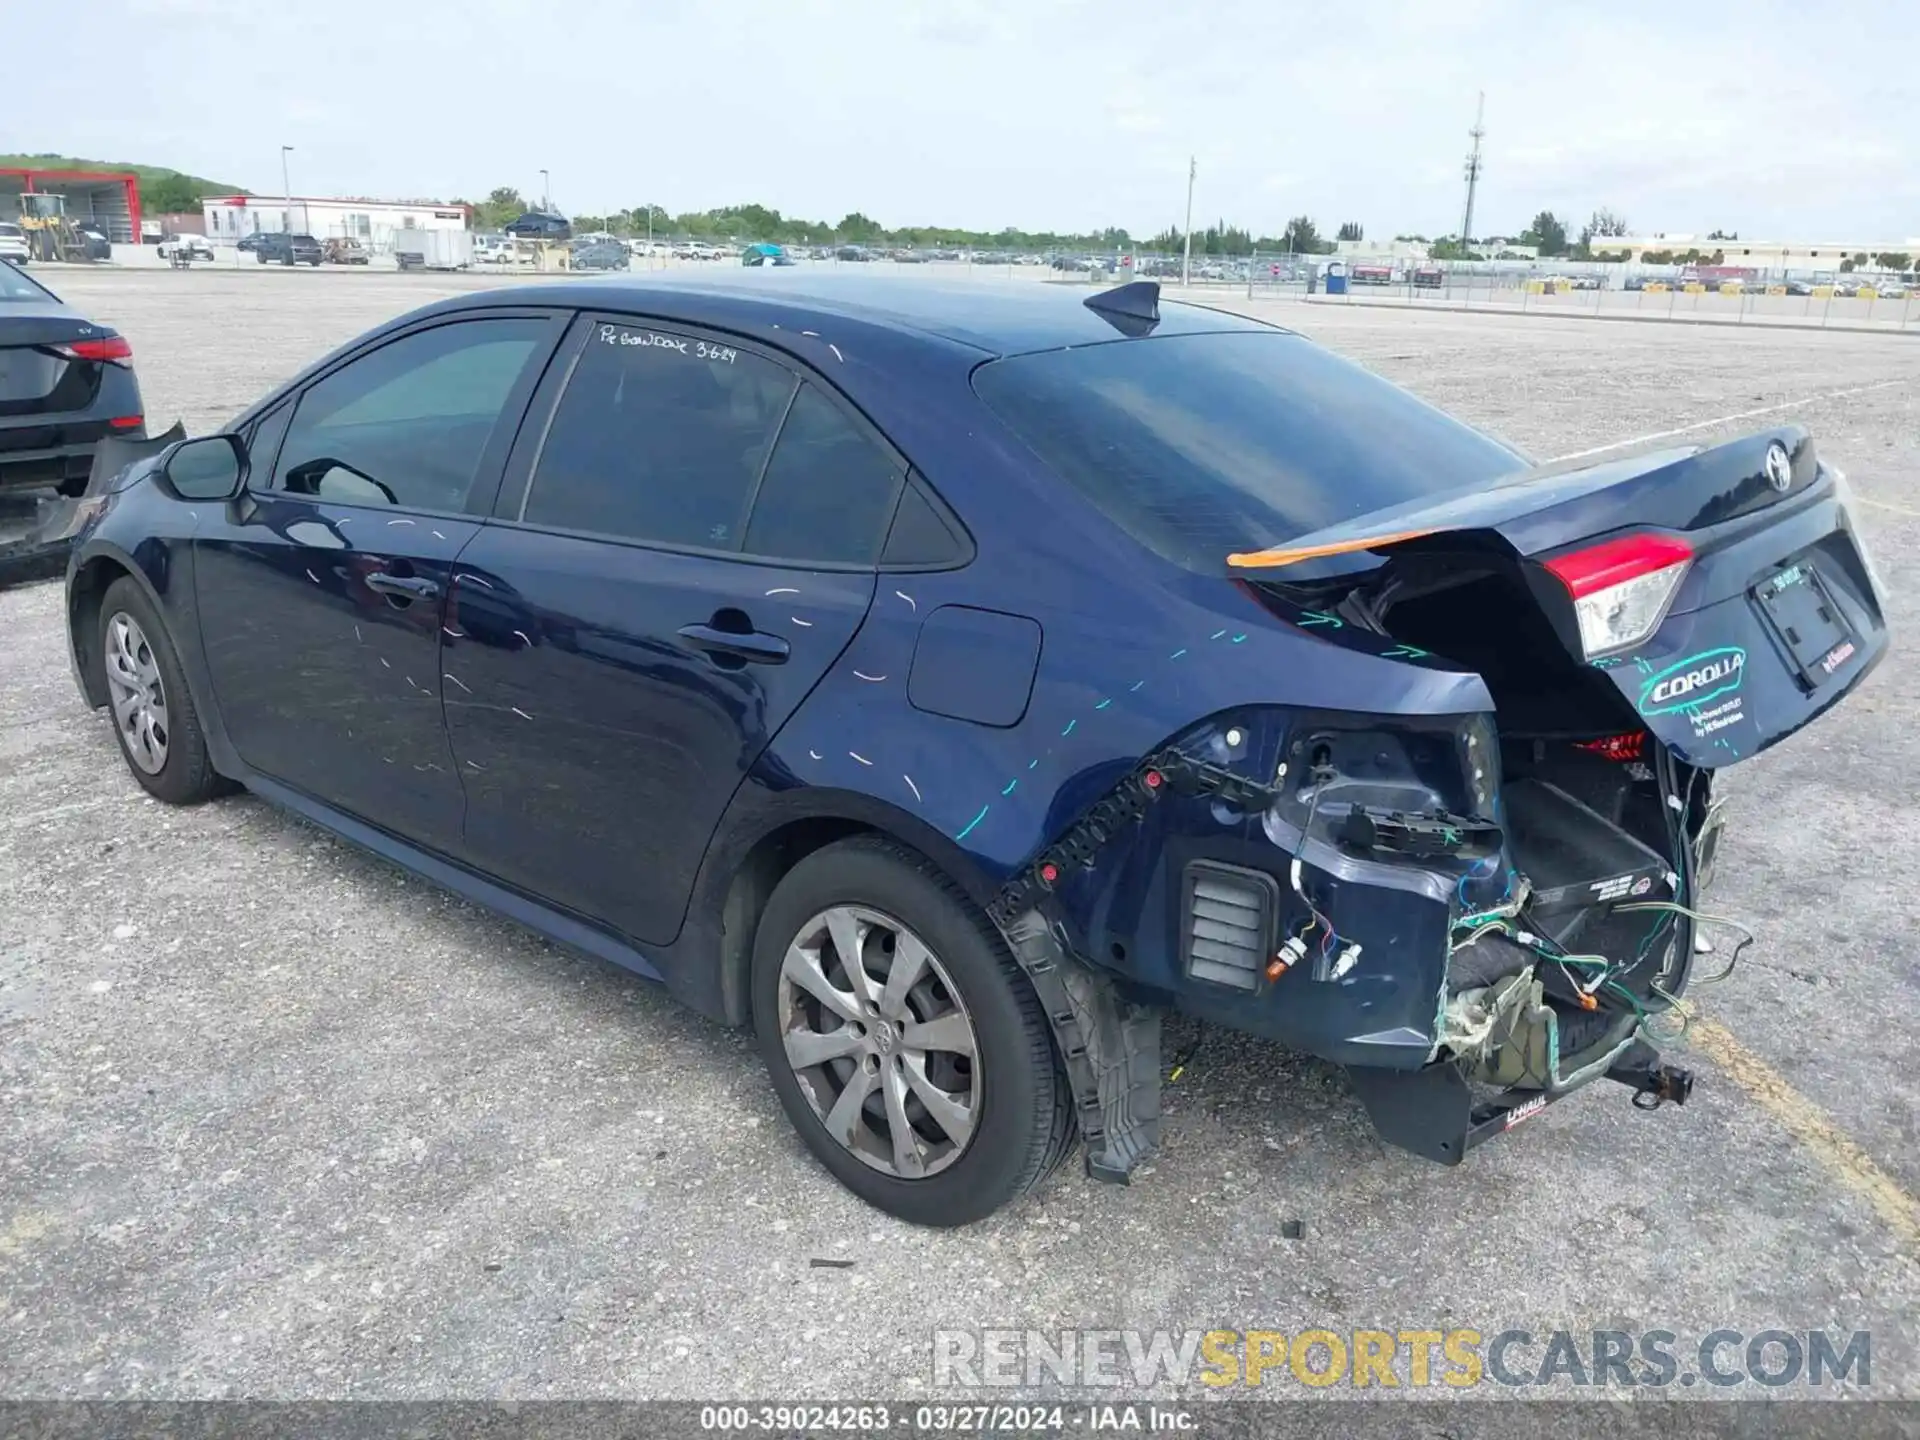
(1765, 256)
(231, 218)
(108, 199)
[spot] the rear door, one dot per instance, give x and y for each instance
(680, 552)
(322, 591)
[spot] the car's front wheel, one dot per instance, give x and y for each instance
(905, 1043)
(153, 716)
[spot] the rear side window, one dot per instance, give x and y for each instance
(659, 437)
(407, 424)
(923, 536)
(1202, 445)
(828, 490)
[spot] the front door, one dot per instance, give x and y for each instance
(696, 547)
(323, 589)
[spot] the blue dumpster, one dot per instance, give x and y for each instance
(1336, 278)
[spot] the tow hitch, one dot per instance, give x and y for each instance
(1653, 1083)
(1433, 1112)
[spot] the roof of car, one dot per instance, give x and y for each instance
(998, 317)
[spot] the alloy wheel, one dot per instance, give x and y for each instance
(139, 698)
(880, 1041)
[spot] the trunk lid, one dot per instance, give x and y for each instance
(34, 377)
(1779, 614)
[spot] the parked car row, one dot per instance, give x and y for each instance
(16, 250)
(1842, 287)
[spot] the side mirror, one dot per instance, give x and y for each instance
(213, 467)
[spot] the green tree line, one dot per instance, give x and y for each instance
(761, 222)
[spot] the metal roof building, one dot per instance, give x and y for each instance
(108, 199)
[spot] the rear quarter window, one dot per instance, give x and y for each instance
(1202, 445)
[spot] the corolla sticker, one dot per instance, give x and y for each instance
(1694, 681)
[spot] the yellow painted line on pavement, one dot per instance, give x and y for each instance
(1812, 1127)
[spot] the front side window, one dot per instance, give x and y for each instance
(407, 424)
(659, 437)
(265, 437)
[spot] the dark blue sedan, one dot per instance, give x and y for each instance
(948, 680)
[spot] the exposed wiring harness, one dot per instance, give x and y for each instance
(1746, 935)
(1327, 968)
(1592, 976)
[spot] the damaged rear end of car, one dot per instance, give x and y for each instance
(1640, 624)
(1478, 889)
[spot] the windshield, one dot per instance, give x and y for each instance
(1202, 445)
(15, 286)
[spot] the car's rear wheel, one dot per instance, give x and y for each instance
(153, 716)
(904, 1042)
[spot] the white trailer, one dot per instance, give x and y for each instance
(433, 249)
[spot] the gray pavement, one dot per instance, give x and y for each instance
(278, 1121)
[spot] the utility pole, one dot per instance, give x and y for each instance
(286, 189)
(546, 203)
(1186, 260)
(1474, 166)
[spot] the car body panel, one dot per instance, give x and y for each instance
(326, 684)
(598, 747)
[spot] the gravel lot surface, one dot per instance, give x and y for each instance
(278, 1121)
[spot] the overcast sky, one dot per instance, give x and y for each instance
(1776, 120)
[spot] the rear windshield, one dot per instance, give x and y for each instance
(1202, 445)
(15, 286)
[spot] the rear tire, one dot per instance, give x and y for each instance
(154, 721)
(959, 1043)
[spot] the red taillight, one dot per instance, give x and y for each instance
(1621, 588)
(1621, 748)
(126, 422)
(1614, 562)
(112, 348)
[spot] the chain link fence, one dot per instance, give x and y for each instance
(1882, 301)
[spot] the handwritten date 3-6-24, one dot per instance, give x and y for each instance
(693, 349)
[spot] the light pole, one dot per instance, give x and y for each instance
(1186, 260)
(286, 190)
(546, 201)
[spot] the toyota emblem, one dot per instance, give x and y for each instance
(1779, 468)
